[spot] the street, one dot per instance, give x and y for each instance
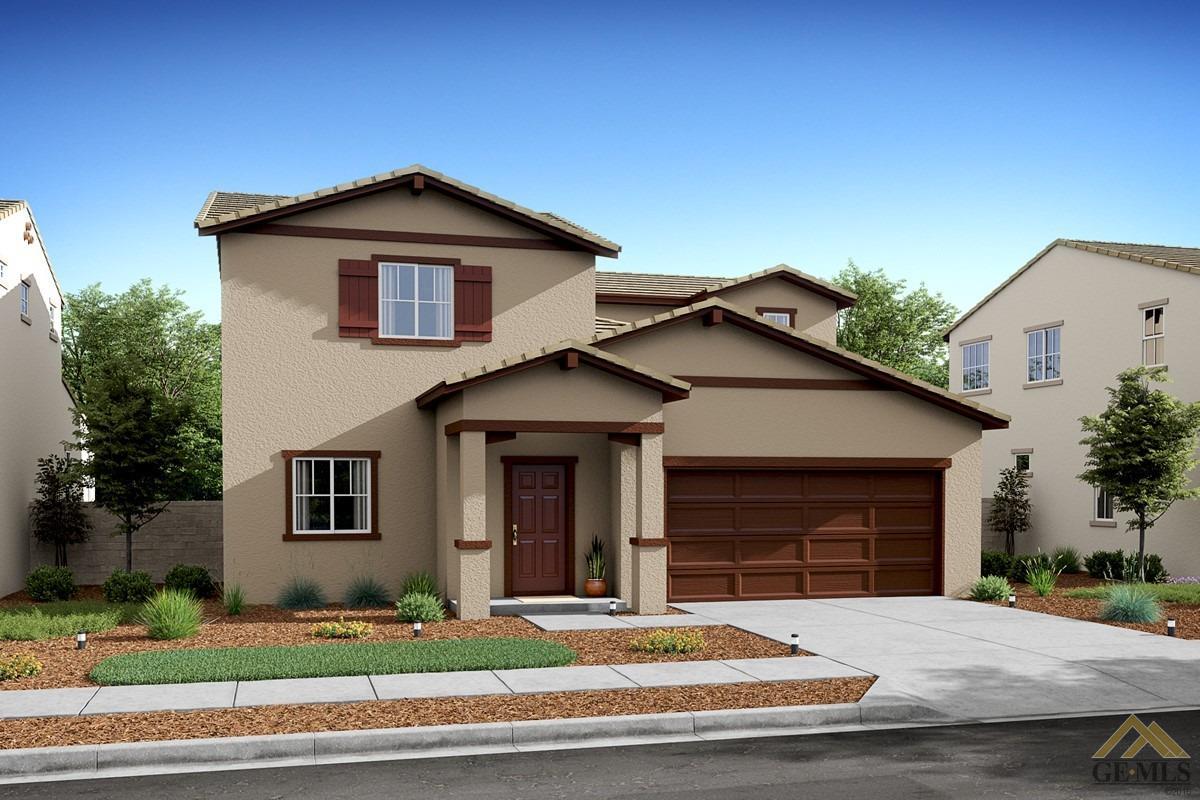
(1043, 759)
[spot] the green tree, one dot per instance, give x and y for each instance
(56, 514)
(135, 436)
(151, 337)
(899, 328)
(1141, 449)
(1011, 511)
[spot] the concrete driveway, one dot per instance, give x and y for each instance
(974, 661)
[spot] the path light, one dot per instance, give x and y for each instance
(795, 644)
(1012, 600)
(417, 629)
(81, 640)
(612, 608)
(1170, 626)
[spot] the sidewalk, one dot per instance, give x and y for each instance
(239, 694)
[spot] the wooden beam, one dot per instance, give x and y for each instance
(715, 316)
(495, 437)
(418, 185)
(570, 360)
(634, 439)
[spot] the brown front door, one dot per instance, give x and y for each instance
(538, 529)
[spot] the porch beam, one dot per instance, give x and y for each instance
(550, 426)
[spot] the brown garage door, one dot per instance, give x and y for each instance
(762, 534)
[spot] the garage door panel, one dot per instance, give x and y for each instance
(702, 586)
(837, 484)
(770, 551)
(697, 552)
(904, 548)
(839, 518)
(689, 519)
(825, 548)
(787, 519)
(913, 580)
(763, 585)
(770, 485)
(838, 583)
(914, 485)
(701, 486)
(904, 518)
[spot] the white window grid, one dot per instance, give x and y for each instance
(416, 301)
(778, 317)
(24, 298)
(1154, 336)
(1044, 350)
(308, 485)
(975, 367)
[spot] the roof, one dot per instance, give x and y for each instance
(10, 207)
(1182, 259)
(671, 387)
(605, 324)
(988, 417)
(615, 287)
(224, 211)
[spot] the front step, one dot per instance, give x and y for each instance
(517, 606)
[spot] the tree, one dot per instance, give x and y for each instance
(150, 336)
(56, 514)
(899, 329)
(1011, 510)
(135, 436)
(1141, 449)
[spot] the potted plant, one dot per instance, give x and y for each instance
(595, 585)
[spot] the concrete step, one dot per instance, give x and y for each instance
(518, 606)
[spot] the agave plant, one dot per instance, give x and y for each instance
(594, 560)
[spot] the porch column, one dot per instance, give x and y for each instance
(474, 549)
(650, 551)
(623, 482)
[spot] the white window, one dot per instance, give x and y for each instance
(1045, 354)
(975, 366)
(1102, 505)
(54, 318)
(778, 317)
(416, 301)
(24, 297)
(331, 495)
(1024, 462)
(3, 270)
(1154, 337)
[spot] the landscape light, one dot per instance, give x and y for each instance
(612, 608)
(795, 644)
(417, 629)
(1170, 626)
(1012, 600)
(81, 640)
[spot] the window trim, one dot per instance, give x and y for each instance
(23, 298)
(1099, 521)
(289, 500)
(1023, 451)
(417, 266)
(1045, 353)
(1143, 309)
(986, 344)
(762, 311)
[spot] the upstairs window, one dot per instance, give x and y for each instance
(416, 301)
(53, 318)
(24, 299)
(1102, 505)
(1154, 338)
(780, 316)
(1044, 354)
(975, 366)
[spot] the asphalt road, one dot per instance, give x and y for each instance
(1049, 759)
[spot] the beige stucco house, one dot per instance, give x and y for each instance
(422, 375)
(34, 404)
(1044, 345)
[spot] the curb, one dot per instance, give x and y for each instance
(307, 749)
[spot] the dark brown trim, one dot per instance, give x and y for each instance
(618, 298)
(568, 463)
(570, 360)
(289, 536)
(733, 381)
(791, 312)
(638, 541)
(410, 237)
(801, 462)
(472, 544)
(403, 342)
(393, 259)
(714, 316)
(418, 185)
(634, 439)
(496, 437)
(550, 426)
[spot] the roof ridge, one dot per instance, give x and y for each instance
(1133, 244)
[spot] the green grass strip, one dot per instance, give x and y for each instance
(33, 625)
(328, 660)
(1163, 592)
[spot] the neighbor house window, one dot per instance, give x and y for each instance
(1154, 338)
(975, 366)
(1045, 354)
(416, 301)
(1102, 505)
(331, 495)
(3, 270)
(53, 318)
(1024, 462)
(24, 298)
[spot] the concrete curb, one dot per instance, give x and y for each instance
(296, 749)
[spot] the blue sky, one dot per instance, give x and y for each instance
(943, 142)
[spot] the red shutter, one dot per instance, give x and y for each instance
(472, 303)
(358, 298)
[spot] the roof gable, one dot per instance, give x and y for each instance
(631, 287)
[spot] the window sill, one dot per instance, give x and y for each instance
(54, 336)
(1040, 384)
(25, 318)
(1103, 523)
(331, 537)
(975, 392)
(388, 340)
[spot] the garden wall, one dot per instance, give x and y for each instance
(188, 532)
(992, 540)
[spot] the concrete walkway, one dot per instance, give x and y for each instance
(237, 694)
(974, 661)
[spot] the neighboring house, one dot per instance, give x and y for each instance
(413, 380)
(34, 402)
(1044, 345)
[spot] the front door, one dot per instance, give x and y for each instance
(538, 529)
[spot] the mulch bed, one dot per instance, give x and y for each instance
(59, 731)
(267, 625)
(1187, 616)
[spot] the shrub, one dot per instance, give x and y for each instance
(1022, 565)
(355, 629)
(1154, 569)
(1041, 580)
(128, 587)
(420, 607)
(50, 583)
(172, 614)
(1066, 559)
(19, 665)
(678, 640)
(301, 594)
(1106, 564)
(33, 625)
(191, 578)
(995, 562)
(990, 587)
(420, 582)
(233, 599)
(366, 592)
(1131, 602)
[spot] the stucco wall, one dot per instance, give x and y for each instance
(290, 383)
(1097, 299)
(548, 392)
(815, 315)
(629, 312)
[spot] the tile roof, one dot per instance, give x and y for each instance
(681, 286)
(225, 207)
(1182, 259)
(604, 324)
(918, 386)
(10, 207)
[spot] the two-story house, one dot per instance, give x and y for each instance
(422, 375)
(1044, 345)
(34, 403)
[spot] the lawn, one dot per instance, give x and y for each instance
(1165, 592)
(330, 660)
(62, 618)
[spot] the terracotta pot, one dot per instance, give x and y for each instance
(595, 587)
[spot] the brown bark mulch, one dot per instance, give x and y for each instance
(267, 625)
(59, 731)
